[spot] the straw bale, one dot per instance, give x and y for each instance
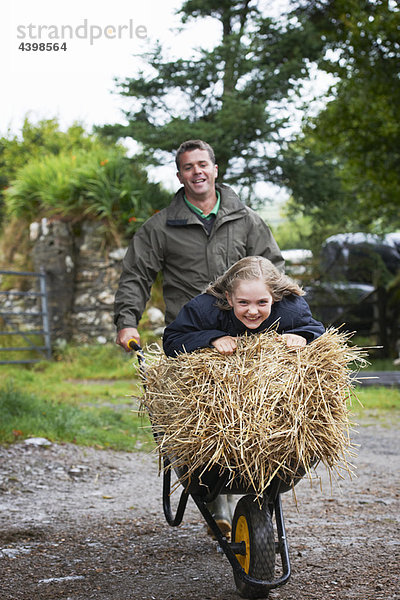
(265, 410)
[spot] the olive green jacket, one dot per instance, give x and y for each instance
(175, 242)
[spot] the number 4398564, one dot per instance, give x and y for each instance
(42, 47)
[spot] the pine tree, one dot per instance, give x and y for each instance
(233, 96)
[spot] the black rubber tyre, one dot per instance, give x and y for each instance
(253, 525)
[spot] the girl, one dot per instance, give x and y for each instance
(250, 297)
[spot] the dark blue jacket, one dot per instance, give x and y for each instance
(200, 322)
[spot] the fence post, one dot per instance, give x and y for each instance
(45, 312)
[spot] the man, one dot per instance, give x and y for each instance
(204, 230)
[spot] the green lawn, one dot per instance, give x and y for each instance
(379, 405)
(88, 395)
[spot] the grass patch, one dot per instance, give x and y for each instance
(382, 364)
(376, 398)
(25, 414)
(90, 362)
(83, 396)
(377, 363)
(80, 375)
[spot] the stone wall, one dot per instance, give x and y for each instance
(82, 277)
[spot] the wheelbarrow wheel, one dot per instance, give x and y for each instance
(254, 526)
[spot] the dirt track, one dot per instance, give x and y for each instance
(78, 524)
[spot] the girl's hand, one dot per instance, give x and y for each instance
(294, 340)
(225, 345)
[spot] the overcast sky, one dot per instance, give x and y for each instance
(103, 41)
(76, 84)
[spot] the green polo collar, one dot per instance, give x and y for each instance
(199, 212)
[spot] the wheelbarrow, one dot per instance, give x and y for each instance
(255, 542)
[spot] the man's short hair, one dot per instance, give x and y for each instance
(193, 145)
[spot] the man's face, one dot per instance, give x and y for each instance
(197, 173)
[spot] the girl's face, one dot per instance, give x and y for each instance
(251, 302)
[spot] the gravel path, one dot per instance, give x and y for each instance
(81, 523)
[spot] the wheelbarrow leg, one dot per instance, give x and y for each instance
(282, 545)
(172, 520)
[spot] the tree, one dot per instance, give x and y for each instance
(37, 140)
(40, 139)
(233, 96)
(345, 167)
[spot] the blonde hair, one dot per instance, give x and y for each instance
(248, 269)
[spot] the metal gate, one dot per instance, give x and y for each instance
(26, 325)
